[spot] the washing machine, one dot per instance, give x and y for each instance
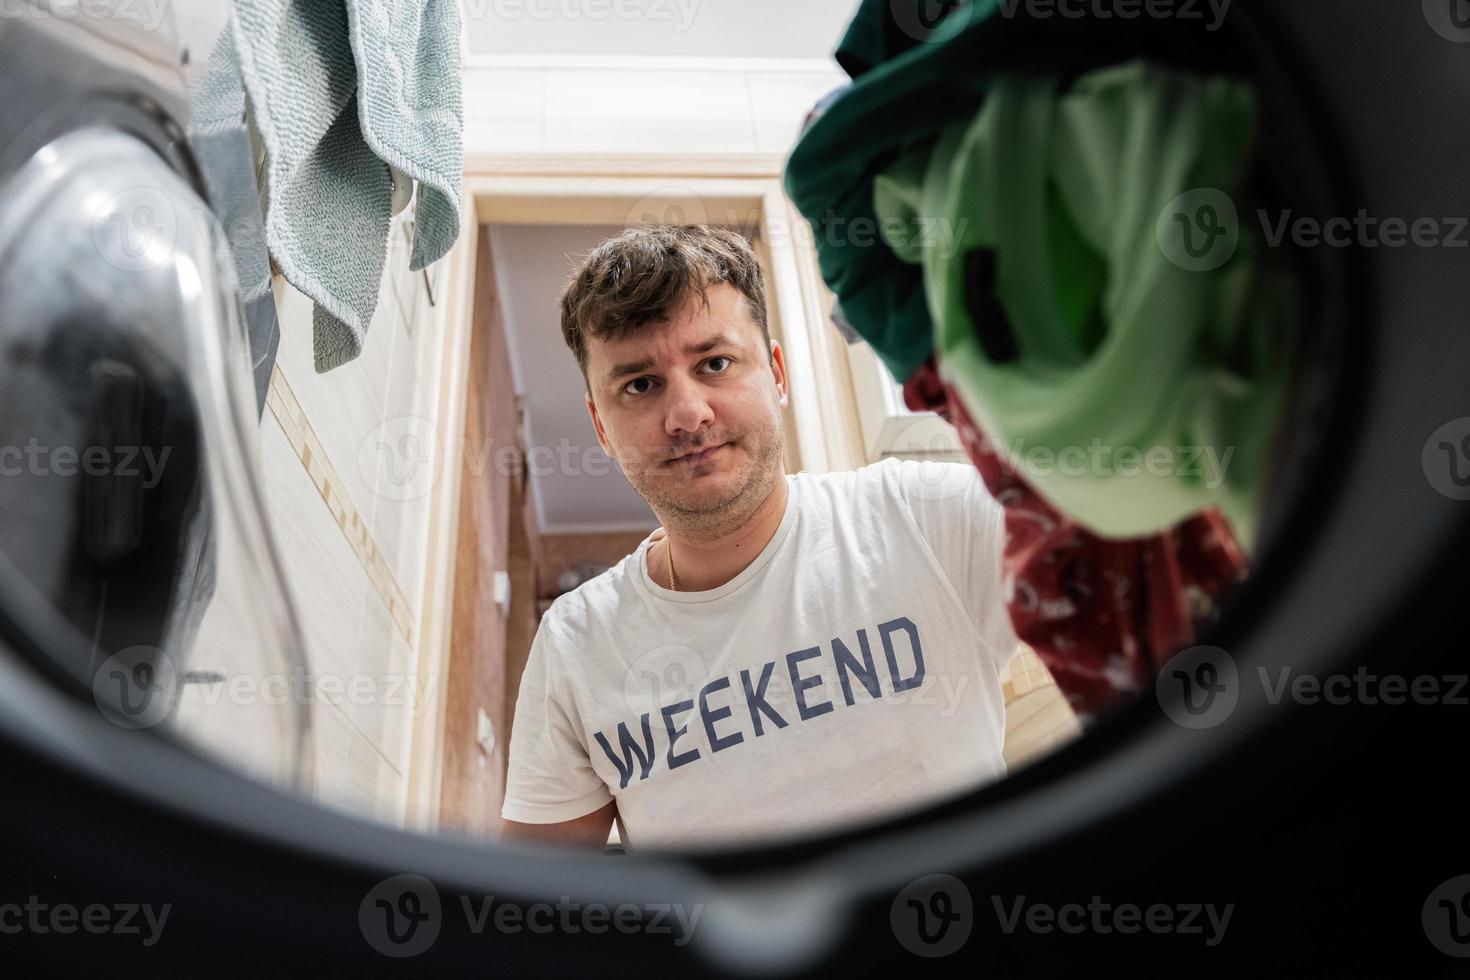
(135, 342)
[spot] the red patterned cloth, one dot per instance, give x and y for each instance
(1104, 616)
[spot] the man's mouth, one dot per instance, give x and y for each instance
(698, 457)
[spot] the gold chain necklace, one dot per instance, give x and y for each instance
(669, 553)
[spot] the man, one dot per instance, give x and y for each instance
(792, 652)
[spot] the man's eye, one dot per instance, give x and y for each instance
(719, 358)
(629, 386)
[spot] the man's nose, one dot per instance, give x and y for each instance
(687, 408)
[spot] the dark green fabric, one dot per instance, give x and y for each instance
(912, 77)
(1056, 356)
(1097, 335)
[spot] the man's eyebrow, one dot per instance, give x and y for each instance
(638, 367)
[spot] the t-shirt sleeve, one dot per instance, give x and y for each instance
(964, 528)
(549, 779)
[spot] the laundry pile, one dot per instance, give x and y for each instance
(1060, 270)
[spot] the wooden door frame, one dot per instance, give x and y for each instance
(823, 430)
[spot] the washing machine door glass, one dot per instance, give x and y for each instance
(136, 566)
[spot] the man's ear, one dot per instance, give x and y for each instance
(778, 369)
(597, 425)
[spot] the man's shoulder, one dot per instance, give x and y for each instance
(579, 610)
(911, 480)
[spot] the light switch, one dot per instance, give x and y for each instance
(485, 733)
(502, 592)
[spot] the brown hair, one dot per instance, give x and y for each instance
(645, 275)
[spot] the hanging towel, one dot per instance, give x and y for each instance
(344, 94)
(1080, 347)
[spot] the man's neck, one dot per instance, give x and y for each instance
(701, 564)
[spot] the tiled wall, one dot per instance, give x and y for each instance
(352, 530)
(641, 110)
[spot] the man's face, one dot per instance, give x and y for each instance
(684, 386)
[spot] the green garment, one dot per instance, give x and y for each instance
(1130, 383)
(912, 77)
(963, 145)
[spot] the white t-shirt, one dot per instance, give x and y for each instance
(850, 671)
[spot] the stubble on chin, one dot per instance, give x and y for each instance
(671, 503)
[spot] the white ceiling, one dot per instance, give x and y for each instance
(576, 488)
(657, 28)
